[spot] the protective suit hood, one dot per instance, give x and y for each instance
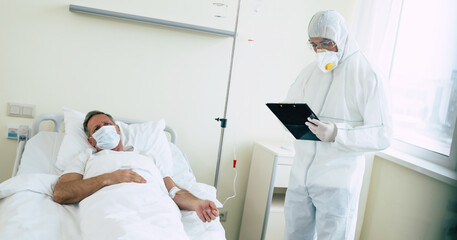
(331, 25)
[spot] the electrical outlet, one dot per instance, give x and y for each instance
(21, 110)
(223, 216)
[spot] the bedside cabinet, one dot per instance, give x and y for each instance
(263, 214)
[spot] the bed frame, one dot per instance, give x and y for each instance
(58, 119)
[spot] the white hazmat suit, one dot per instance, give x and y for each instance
(326, 177)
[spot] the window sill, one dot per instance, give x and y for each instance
(427, 168)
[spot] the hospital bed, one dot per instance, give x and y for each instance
(27, 210)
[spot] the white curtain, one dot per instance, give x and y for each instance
(375, 28)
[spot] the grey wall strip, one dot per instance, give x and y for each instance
(101, 12)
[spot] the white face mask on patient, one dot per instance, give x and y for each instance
(326, 60)
(107, 137)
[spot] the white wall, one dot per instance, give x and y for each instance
(52, 58)
(404, 204)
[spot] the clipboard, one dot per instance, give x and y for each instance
(294, 116)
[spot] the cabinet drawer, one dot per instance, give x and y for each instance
(275, 227)
(282, 160)
(282, 175)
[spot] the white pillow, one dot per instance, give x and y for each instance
(150, 140)
(74, 141)
(144, 137)
(182, 173)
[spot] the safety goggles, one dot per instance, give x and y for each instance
(324, 44)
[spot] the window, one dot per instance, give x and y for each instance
(423, 79)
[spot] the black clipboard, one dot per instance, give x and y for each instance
(294, 116)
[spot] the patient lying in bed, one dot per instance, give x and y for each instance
(125, 192)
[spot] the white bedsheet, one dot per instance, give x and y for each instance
(40, 154)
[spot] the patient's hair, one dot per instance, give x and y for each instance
(90, 115)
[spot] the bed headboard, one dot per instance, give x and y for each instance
(57, 118)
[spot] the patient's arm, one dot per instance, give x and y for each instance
(206, 210)
(71, 187)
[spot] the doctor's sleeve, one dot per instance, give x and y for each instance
(376, 132)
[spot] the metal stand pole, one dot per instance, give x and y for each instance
(223, 120)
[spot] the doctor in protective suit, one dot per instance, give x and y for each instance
(347, 95)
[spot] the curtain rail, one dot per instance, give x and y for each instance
(101, 12)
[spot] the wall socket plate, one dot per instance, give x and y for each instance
(223, 215)
(20, 110)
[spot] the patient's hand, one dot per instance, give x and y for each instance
(206, 210)
(123, 176)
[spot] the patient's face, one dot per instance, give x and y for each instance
(95, 123)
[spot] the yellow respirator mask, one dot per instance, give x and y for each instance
(326, 60)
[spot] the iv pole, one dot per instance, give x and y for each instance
(223, 120)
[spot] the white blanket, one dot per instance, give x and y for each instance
(129, 210)
(27, 211)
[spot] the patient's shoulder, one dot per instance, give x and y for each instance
(78, 164)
